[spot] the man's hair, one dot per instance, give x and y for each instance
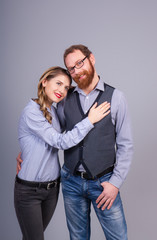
(80, 47)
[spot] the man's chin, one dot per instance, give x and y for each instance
(83, 85)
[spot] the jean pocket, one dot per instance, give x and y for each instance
(65, 174)
(23, 190)
(105, 178)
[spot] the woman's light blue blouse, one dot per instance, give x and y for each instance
(40, 141)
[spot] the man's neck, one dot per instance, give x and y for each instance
(92, 85)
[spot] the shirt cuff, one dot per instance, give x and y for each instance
(87, 123)
(115, 181)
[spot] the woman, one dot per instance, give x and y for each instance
(37, 183)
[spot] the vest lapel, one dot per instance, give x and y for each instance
(79, 103)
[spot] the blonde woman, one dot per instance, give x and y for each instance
(37, 183)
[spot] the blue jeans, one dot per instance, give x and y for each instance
(78, 195)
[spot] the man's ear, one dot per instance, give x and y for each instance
(92, 58)
(44, 82)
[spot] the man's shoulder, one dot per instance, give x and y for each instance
(108, 85)
(118, 93)
(71, 93)
(71, 90)
(118, 98)
(115, 90)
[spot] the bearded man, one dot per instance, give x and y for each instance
(95, 169)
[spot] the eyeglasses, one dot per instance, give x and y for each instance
(78, 65)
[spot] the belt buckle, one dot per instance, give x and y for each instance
(55, 183)
(82, 175)
(49, 184)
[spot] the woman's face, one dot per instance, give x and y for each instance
(56, 88)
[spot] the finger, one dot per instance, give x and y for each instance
(99, 198)
(110, 205)
(19, 167)
(94, 106)
(106, 204)
(19, 160)
(102, 105)
(103, 201)
(106, 113)
(19, 155)
(104, 108)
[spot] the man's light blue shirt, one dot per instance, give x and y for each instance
(40, 141)
(121, 120)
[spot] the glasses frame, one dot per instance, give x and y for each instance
(72, 69)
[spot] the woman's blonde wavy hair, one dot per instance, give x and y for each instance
(42, 97)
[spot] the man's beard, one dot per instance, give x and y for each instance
(87, 79)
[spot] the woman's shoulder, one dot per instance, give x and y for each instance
(31, 106)
(31, 109)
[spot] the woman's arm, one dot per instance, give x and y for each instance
(38, 126)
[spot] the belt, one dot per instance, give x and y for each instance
(85, 175)
(46, 185)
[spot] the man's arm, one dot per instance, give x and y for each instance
(124, 151)
(19, 161)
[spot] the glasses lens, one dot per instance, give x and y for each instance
(71, 70)
(79, 64)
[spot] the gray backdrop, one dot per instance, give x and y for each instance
(122, 35)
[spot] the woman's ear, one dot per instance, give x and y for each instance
(44, 82)
(92, 58)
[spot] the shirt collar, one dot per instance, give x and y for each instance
(99, 86)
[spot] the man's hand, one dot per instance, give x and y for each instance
(19, 161)
(108, 195)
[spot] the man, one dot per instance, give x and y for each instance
(94, 170)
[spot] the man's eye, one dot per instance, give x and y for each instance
(70, 69)
(79, 63)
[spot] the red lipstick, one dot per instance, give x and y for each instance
(58, 95)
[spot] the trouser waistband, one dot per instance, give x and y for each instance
(87, 177)
(46, 185)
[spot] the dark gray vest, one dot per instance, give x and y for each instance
(97, 151)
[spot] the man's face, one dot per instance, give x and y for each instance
(84, 75)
